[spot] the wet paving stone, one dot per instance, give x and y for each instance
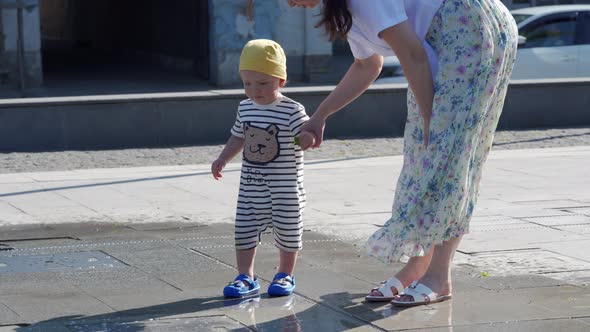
(205, 324)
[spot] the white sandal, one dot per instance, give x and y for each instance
(421, 294)
(385, 289)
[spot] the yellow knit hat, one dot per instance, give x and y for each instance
(264, 56)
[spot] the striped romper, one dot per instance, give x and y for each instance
(271, 183)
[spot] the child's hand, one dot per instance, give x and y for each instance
(306, 140)
(216, 168)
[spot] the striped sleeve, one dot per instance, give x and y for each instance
(297, 119)
(238, 129)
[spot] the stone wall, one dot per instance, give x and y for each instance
(176, 119)
(307, 50)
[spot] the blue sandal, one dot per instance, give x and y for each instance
(282, 285)
(242, 286)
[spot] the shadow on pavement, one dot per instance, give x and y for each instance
(335, 312)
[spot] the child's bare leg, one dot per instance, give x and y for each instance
(287, 261)
(245, 259)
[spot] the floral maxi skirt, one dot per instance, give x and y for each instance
(476, 42)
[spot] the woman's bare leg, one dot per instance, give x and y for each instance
(438, 274)
(413, 270)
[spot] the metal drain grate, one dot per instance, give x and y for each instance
(525, 261)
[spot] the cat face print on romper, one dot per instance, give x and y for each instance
(261, 146)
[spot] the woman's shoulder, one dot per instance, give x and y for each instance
(360, 9)
(369, 20)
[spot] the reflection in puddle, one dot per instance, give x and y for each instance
(281, 307)
(244, 303)
(294, 314)
(438, 315)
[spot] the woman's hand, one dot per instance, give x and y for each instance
(306, 139)
(315, 126)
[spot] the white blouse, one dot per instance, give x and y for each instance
(370, 17)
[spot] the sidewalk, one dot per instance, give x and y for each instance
(149, 249)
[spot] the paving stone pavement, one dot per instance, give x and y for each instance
(149, 249)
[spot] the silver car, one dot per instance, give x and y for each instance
(554, 42)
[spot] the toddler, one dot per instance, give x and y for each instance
(271, 190)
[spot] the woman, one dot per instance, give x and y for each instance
(457, 56)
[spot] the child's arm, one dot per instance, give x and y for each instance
(302, 138)
(233, 146)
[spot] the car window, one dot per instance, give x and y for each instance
(520, 17)
(551, 32)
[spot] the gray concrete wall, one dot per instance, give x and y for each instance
(174, 119)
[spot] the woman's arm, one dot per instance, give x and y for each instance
(357, 79)
(414, 61)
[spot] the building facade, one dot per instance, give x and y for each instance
(20, 58)
(201, 38)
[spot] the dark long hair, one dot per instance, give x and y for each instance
(336, 19)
